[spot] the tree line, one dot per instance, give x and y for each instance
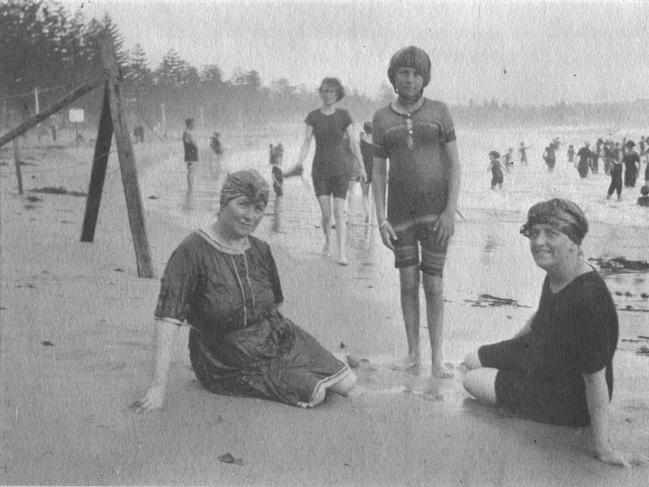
(47, 49)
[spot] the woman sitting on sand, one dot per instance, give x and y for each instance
(223, 283)
(558, 368)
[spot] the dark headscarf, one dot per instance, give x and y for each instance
(410, 57)
(564, 215)
(247, 182)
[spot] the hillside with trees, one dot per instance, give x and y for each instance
(47, 52)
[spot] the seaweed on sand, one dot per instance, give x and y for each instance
(58, 190)
(620, 264)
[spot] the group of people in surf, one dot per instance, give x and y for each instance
(620, 160)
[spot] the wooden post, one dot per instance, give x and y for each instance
(35, 120)
(19, 175)
(126, 158)
(98, 174)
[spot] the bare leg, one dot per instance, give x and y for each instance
(367, 207)
(344, 386)
(409, 283)
(481, 384)
(325, 209)
(277, 221)
(434, 292)
(472, 361)
(191, 175)
(341, 229)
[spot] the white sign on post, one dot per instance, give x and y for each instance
(75, 115)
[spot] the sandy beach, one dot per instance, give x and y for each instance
(76, 325)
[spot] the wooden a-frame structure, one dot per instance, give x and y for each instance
(112, 121)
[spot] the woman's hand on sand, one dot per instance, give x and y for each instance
(613, 457)
(387, 234)
(445, 226)
(152, 400)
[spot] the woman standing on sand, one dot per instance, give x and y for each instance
(558, 368)
(332, 169)
(223, 283)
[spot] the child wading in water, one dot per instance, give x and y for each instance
(496, 170)
(276, 156)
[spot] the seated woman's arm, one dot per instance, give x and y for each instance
(598, 408)
(527, 327)
(165, 334)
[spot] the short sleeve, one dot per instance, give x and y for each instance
(274, 278)
(378, 138)
(310, 119)
(178, 284)
(596, 327)
(345, 119)
(448, 128)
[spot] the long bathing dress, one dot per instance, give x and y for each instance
(239, 343)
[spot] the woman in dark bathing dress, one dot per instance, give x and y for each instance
(223, 283)
(558, 368)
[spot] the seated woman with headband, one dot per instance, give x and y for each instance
(558, 369)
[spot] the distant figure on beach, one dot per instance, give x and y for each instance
(522, 153)
(555, 143)
(496, 170)
(558, 368)
(631, 161)
(549, 156)
(332, 169)
(223, 283)
(644, 149)
(615, 170)
(138, 134)
(598, 154)
(584, 154)
(509, 158)
(367, 152)
(217, 150)
(644, 199)
(276, 157)
(191, 159)
(417, 135)
(646, 169)
(571, 154)
(618, 152)
(593, 161)
(608, 150)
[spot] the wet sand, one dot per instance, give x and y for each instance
(76, 327)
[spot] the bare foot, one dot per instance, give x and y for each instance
(325, 249)
(342, 259)
(405, 364)
(441, 371)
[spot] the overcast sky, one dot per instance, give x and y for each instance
(520, 52)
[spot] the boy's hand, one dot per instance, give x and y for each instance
(445, 226)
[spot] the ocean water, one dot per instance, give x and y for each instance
(487, 254)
